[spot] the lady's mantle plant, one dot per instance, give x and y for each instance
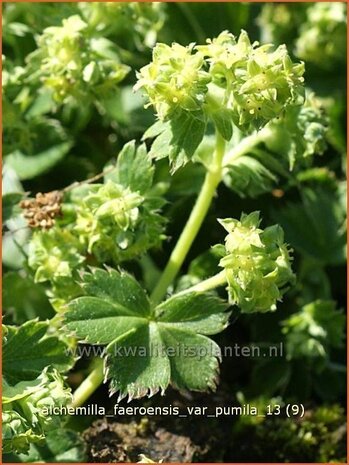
(227, 83)
(249, 96)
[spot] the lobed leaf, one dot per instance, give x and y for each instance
(27, 350)
(247, 176)
(148, 348)
(133, 168)
(179, 138)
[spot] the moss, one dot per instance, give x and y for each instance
(320, 436)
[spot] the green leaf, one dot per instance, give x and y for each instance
(155, 130)
(22, 299)
(314, 330)
(248, 177)
(316, 225)
(133, 168)
(10, 206)
(179, 138)
(30, 166)
(147, 348)
(137, 364)
(197, 367)
(200, 313)
(223, 122)
(28, 349)
(61, 445)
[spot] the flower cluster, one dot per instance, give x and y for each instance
(23, 419)
(99, 224)
(301, 132)
(257, 263)
(322, 38)
(174, 79)
(119, 18)
(54, 254)
(279, 22)
(260, 82)
(111, 223)
(114, 222)
(256, 83)
(72, 65)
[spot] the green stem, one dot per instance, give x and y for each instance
(203, 202)
(246, 145)
(89, 385)
(207, 285)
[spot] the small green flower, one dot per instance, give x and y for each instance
(254, 83)
(260, 82)
(70, 64)
(174, 79)
(115, 202)
(257, 263)
(53, 254)
(115, 223)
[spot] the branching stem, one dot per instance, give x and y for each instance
(196, 218)
(203, 202)
(211, 283)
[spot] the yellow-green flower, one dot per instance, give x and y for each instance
(174, 79)
(53, 254)
(257, 263)
(259, 82)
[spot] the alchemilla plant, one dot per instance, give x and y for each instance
(235, 113)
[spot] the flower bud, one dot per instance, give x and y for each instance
(257, 264)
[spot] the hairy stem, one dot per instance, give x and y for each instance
(203, 202)
(89, 385)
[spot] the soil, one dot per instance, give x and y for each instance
(165, 438)
(201, 439)
(117, 442)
